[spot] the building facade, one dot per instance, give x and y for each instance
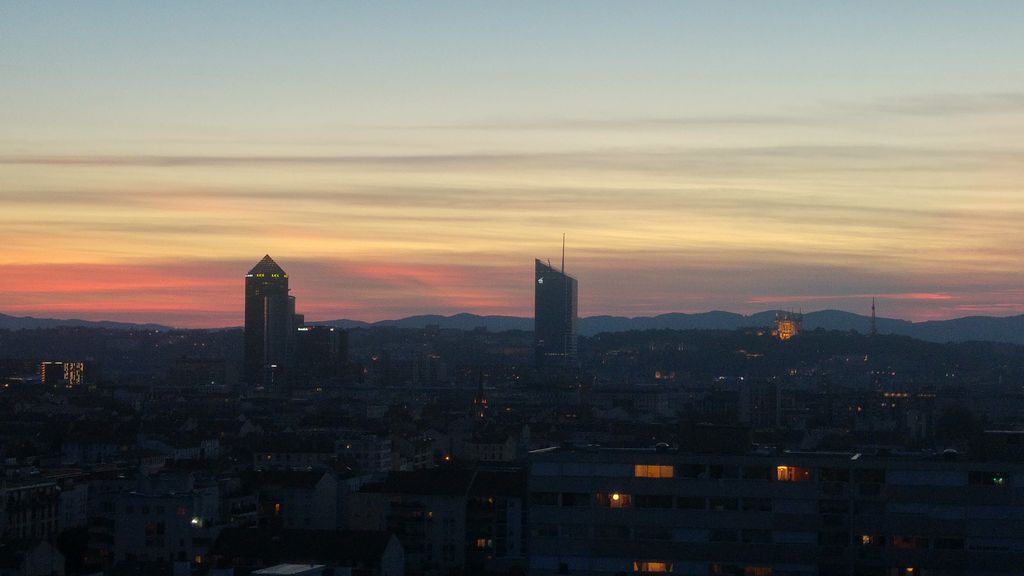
(603, 511)
(554, 317)
(269, 325)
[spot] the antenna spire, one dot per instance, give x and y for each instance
(874, 325)
(563, 252)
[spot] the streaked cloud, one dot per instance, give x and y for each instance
(951, 104)
(697, 159)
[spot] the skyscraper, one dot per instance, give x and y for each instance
(269, 330)
(554, 317)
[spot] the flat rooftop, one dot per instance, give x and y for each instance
(292, 570)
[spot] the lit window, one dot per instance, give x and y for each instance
(988, 478)
(652, 471)
(871, 540)
(647, 567)
(792, 474)
(614, 500)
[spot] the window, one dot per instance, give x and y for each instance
(653, 533)
(793, 474)
(869, 507)
(978, 478)
(757, 473)
(756, 504)
(544, 498)
(653, 501)
(756, 536)
(718, 472)
(834, 506)
(830, 538)
(690, 535)
(544, 531)
(614, 500)
(870, 489)
(653, 471)
(949, 544)
(723, 535)
(792, 537)
(871, 540)
(869, 476)
(574, 531)
(723, 504)
(835, 475)
(909, 542)
(648, 567)
(575, 499)
(795, 506)
(690, 503)
(691, 471)
(613, 532)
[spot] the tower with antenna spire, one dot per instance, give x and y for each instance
(554, 315)
(874, 320)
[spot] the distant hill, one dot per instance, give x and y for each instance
(29, 323)
(462, 321)
(988, 328)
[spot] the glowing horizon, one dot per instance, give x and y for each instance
(415, 160)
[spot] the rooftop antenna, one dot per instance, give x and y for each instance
(874, 325)
(563, 252)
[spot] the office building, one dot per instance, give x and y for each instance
(554, 317)
(320, 355)
(269, 325)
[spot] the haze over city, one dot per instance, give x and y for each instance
(559, 288)
(410, 159)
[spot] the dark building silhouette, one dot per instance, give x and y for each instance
(269, 324)
(554, 317)
(320, 355)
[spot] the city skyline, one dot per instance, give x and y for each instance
(415, 160)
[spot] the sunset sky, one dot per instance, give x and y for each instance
(408, 158)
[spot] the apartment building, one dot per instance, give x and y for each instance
(595, 511)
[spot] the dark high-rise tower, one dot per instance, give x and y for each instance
(554, 317)
(269, 313)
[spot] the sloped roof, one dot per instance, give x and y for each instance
(266, 266)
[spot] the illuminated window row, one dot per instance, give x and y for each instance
(782, 473)
(649, 567)
(653, 471)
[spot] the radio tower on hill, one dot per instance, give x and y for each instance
(874, 325)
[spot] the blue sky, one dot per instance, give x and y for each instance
(733, 155)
